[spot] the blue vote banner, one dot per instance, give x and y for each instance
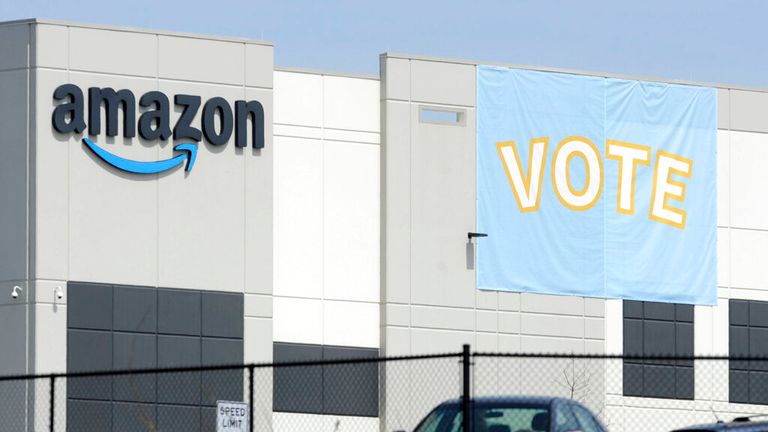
(596, 187)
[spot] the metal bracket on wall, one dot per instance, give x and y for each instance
(471, 235)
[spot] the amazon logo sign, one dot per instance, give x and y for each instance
(218, 123)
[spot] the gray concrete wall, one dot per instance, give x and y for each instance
(67, 216)
(429, 299)
(210, 229)
(430, 302)
(15, 213)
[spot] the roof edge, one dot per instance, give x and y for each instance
(574, 72)
(19, 21)
(132, 29)
(311, 71)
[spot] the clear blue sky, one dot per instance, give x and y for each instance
(705, 40)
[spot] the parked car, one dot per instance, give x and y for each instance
(513, 414)
(739, 424)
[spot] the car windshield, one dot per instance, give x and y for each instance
(499, 417)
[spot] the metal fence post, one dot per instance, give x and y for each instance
(250, 395)
(466, 407)
(52, 402)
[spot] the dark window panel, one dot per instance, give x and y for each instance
(133, 417)
(89, 351)
(659, 338)
(134, 351)
(89, 416)
(659, 311)
(178, 351)
(738, 386)
(684, 343)
(345, 389)
(89, 306)
(133, 313)
(658, 330)
(331, 352)
(135, 309)
(633, 309)
(351, 389)
(684, 383)
(178, 312)
(758, 388)
(221, 352)
(748, 336)
(181, 387)
(207, 419)
(659, 381)
(135, 388)
(297, 389)
(174, 418)
(738, 311)
(758, 342)
(633, 337)
(758, 314)
(222, 315)
(90, 388)
(684, 313)
(738, 345)
(222, 384)
(758, 347)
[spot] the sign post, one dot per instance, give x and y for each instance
(232, 416)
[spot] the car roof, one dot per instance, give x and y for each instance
(721, 426)
(524, 400)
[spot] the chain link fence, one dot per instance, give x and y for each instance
(393, 394)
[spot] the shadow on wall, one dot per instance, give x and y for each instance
(470, 255)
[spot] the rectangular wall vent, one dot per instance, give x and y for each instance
(438, 115)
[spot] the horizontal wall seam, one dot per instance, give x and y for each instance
(374, 302)
(352, 142)
(312, 137)
(23, 68)
(234, 86)
(320, 128)
(440, 104)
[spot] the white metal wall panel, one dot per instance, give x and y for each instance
(298, 320)
(298, 99)
(351, 104)
(723, 178)
(351, 323)
(351, 221)
(327, 209)
(749, 250)
(298, 226)
(748, 156)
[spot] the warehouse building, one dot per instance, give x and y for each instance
(315, 215)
